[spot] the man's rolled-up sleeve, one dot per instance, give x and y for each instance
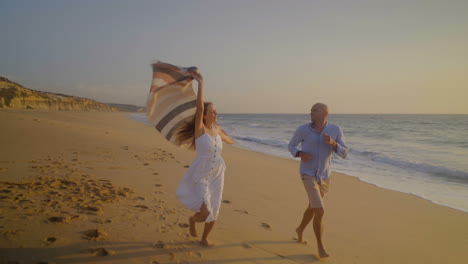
(341, 148)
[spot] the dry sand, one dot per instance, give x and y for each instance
(93, 187)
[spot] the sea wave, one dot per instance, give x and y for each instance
(140, 118)
(433, 170)
(277, 143)
(261, 125)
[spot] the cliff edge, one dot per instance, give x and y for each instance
(14, 95)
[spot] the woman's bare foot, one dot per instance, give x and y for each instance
(299, 234)
(323, 253)
(193, 228)
(206, 243)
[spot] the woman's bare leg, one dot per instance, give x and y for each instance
(206, 232)
(193, 228)
(198, 217)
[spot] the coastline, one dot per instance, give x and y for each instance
(428, 168)
(364, 223)
(364, 181)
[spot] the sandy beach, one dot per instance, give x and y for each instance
(95, 187)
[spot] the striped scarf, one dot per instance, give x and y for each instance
(171, 100)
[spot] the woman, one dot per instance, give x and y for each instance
(201, 187)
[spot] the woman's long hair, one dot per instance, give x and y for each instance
(185, 135)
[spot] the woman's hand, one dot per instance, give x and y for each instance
(197, 76)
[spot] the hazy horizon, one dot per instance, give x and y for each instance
(359, 57)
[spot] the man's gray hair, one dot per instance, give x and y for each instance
(322, 106)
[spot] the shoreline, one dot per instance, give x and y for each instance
(363, 181)
(126, 176)
(421, 196)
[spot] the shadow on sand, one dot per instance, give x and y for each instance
(121, 251)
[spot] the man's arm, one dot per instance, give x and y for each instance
(341, 148)
(295, 140)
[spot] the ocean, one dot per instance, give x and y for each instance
(422, 155)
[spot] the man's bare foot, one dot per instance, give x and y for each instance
(299, 235)
(206, 243)
(193, 228)
(323, 253)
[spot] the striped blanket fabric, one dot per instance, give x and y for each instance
(171, 100)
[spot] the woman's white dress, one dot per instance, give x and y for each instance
(204, 180)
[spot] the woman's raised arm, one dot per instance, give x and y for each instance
(199, 127)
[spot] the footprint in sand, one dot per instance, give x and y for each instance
(59, 219)
(100, 221)
(187, 166)
(144, 207)
(158, 185)
(57, 197)
(156, 173)
(125, 147)
(245, 245)
(94, 234)
(242, 211)
(91, 209)
(5, 191)
(266, 226)
(226, 201)
(48, 241)
(8, 234)
(159, 244)
(100, 252)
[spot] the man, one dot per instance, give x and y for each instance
(319, 140)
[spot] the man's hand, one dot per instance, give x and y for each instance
(305, 157)
(329, 140)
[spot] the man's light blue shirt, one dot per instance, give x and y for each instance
(312, 142)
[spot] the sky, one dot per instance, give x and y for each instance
(256, 56)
